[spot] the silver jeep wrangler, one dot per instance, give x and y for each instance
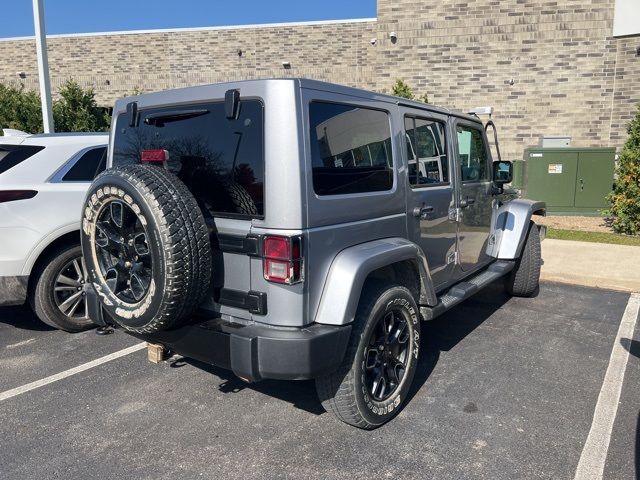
(294, 229)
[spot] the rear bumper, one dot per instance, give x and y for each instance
(255, 351)
(13, 290)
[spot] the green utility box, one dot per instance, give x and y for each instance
(571, 180)
(518, 174)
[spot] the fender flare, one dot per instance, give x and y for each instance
(512, 224)
(350, 269)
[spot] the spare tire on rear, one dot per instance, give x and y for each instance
(146, 247)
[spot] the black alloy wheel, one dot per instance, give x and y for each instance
(123, 252)
(387, 355)
(372, 383)
(146, 247)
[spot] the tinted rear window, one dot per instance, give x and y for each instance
(90, 164)
(12, 155)
(350, 149)
(220, 160)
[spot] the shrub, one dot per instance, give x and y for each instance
(402, 89)
(625, 197)
(75, 110)
(20, 109)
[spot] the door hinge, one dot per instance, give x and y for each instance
(455, 214)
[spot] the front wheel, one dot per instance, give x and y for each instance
(371, 384)
(524, 279)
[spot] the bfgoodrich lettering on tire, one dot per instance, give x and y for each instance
(370, 386)
(146, 247)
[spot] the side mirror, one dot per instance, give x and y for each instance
(502, 172)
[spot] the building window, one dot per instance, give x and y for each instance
(626, 18)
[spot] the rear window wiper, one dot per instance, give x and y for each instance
(160, 118)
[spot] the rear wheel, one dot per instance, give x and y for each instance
(524, 279)
(57, 296)
(372, 382)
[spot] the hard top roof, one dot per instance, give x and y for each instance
(328, 87)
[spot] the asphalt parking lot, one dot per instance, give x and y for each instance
(506, 388)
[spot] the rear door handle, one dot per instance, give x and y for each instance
(422, 212)
(465, 202)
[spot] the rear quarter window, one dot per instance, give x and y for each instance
(350, 149)
(220, 160)
(90, 164)
(12, 155)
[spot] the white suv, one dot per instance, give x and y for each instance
(43, 181)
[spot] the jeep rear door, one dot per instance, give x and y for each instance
(430, 197)
(221, 161)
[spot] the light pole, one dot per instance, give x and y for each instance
(43, 66)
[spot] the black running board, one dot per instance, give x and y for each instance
(463, 290)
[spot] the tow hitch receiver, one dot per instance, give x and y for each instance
(155, 353)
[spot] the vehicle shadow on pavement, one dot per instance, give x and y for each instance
(439, 335)
(632, 346)
(301, 394)
(637, 456)
(22, 317)
(446, 331)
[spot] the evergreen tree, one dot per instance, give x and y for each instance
(77, 111)
(20, 109)
(402, 89)
(625, 197)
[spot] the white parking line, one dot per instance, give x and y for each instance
(594, 453)
(72, 371)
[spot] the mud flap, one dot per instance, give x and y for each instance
(94, 307)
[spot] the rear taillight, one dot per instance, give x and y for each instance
(11, 195)
(282, 259)
(155, 155)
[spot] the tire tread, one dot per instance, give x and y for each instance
(185, 238)
(337, 390)
(524, 279)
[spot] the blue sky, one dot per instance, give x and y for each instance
(79, 16)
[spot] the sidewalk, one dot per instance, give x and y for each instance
(591, 264)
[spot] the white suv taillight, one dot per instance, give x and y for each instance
(282, 259)
(11, 195)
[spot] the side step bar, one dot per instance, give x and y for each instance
(463, 290)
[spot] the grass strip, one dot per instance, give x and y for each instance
(597, 237)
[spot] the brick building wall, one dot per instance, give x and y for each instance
(548, 68)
